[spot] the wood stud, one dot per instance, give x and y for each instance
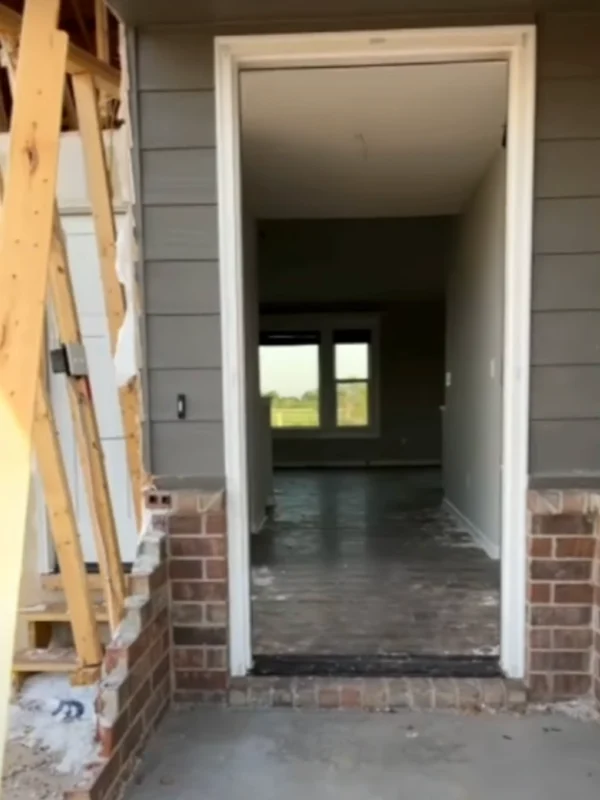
(24, 266)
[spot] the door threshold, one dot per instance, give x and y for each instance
(393, 665)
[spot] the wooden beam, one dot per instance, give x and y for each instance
(99, 189)
(91, 453)
(106, 78)
(102, 40)
(24, 258)
(57, 495)
(89, 444)
(66, 540)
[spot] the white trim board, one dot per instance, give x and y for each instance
(517, 46)
(491, 549)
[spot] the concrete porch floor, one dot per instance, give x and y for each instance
(220, 754)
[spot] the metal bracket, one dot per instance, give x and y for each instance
(69, 359)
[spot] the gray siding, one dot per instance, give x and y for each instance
(565, 377)
(175, 104)
(180, 247)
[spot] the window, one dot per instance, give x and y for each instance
(289, 375)
(320, 374)
(351, 358)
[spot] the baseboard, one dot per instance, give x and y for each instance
(491, 549)
(356, 464)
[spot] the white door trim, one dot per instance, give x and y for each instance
(517, 46)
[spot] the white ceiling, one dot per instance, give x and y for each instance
(381, 141)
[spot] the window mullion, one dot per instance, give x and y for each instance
(328, 388)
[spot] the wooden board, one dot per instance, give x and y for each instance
(24, 252)
(87, 434)
(106, 78)
(65, 534)
(99, 189)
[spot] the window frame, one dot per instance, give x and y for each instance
(326, 325)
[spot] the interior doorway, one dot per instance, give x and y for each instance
(375, 260)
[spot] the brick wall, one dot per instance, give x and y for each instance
(596, 672)
(563, 541)
(197, 546)
(135, 691)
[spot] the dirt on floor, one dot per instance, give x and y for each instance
(30, 774)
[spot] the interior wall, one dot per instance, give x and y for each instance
(396, 268)
(252, 382)
(474, 349)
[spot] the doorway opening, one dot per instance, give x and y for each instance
(375, 282)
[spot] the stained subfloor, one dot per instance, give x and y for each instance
(367, 562)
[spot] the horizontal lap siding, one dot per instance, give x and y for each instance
(565, 349)
(178, 180)
(181, 269)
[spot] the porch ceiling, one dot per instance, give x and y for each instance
(369, 141)
(277, 11)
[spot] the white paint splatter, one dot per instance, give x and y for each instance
(35, 723)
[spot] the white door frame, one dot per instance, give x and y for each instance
(517, 46)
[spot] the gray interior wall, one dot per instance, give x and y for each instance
(474, 347)
(177, 172)
(396, 268)
(252, 387)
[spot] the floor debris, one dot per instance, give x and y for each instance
(52, 738)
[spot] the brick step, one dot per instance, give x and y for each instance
(57, 611)
(379, 694)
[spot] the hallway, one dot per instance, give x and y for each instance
(365, 562)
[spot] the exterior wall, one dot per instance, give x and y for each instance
(175, 118)
(395, 268)
(564, 537)
(175, 104)
(474, 351)
(565, 377)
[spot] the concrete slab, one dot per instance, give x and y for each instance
(220, 754)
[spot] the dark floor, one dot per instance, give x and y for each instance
(366, 562)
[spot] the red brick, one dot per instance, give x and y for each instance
(571, 686)
(540, 547)
(200, 680)
(161, 670)
(540, 639)
(191, 636)
(198, 546)
(185, 523)
(187, 613)
(579, 593)
(541, 661)
(561, 616)
(574, 547)
(198, 590)
(215, 522)
(328, 697)
(350, 697)
(539, 592)
(572, 639)
(540, 686)
(189, 658)
(132, 743)
(186, 569)
(563, 524)
(216, 568)
(140, 699)
(216, 613)
(216, 658)
(111, 736)
(550, 570)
